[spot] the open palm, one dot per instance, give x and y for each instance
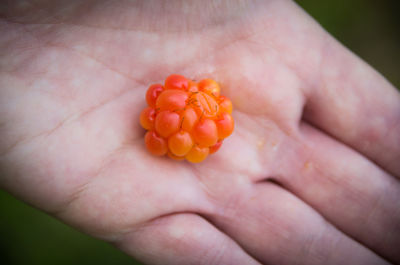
(310, 175)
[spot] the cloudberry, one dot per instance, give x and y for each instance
(186, 119)
(155, 144)
(172, 100)
(205, 133)
(152, 94)
(225, 105)
(197, 154)
(147, 118)
(224, 125)
(204, 104)
(189, 119)
(180, 143)
(215, 147)
(210, 87)
(167, 123)
(176, 82)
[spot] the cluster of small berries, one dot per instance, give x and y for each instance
(185, 119)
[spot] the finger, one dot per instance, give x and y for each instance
(183, 239)
(350, 191)
(356, 105)
(277, 228)
(345, 97)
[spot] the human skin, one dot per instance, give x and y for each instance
(309, 176)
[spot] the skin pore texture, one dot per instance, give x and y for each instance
(309, 176)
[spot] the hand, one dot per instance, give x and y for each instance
(310, 175)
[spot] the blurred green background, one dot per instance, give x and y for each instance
(368, 27)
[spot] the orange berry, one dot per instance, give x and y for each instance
(176, 82)
(167, 123)
(189, 119)
(210, 87)
(197, 154)
(186, 119)
(193, 87)
(178, 158)
(152, 93)
(147, 118)
(225, 105)
(155, 144)
(204, 104)
(180, 143)
(224, 125)
(172, 100)
(215, 147)
(205, 133)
